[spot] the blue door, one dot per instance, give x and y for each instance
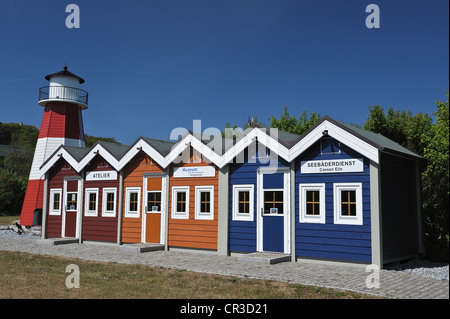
(273, 213)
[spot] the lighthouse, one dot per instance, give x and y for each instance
(62, 124)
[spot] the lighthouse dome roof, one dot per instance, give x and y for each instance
(66, 73)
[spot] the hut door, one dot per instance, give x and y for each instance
(71, 207)
(154, 205)
(273, 204)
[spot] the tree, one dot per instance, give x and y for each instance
(19, 161)
(421, 135)
(291, 124)
(400, 126)
(5, 135)
(12, 192)
(91, 140)
(436, 184)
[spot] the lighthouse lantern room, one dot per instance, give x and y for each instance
(62, 124)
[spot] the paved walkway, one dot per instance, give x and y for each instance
(392, 284)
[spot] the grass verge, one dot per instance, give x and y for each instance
(24, 275)
(6, 220)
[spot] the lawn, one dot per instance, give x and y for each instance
(6, 220)
(24, 275)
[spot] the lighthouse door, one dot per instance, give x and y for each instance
(154, 208)
(71, 207)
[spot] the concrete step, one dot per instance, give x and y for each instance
(265, 257)
(141, 248)
(58, 241)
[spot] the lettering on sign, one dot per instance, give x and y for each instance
(101, 176)
(194, 171)
(332, 166)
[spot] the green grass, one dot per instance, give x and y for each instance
(26, 276)
(6, 220)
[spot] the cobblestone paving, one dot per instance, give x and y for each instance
(392, 284)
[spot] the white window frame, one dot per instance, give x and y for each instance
(54, 191)
(128, 213)
(314, 219)
(347, 220)
(149, 209)
(176, 214)
(236, 214)
(109, 213)
(202, 215)
(68, 209)
(87, 212)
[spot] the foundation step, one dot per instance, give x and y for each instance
(141, 248)
(265, 257)
(58, 241)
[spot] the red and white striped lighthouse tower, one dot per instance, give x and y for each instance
(62, 123)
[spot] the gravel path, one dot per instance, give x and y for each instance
(418, 279)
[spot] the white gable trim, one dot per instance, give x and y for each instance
(339, 134)
(261, 135)
(237, 148)
(273, 144)
(178, 148)
(268, 141)
(100, 150)
(208, 155)
(146, 148)
(55, 157)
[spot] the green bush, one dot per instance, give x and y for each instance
(12, 192)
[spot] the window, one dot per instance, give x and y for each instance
(109, 202)
(243, 202)
(180, 202)
(348, 203)
(91, 204)
(55, 201)
(132, 201)
(154, 201)
(273, 202)
(329, 146)
(204, 202)
(312, 203)
(259, 151)
(72, 198)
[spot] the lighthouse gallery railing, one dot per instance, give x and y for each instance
(63, 93)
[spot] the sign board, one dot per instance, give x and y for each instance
(194, 171)
(349, 165)
(101, 176)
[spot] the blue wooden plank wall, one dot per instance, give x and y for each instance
(242, 234)
(329, 240)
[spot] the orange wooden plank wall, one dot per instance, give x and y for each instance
(134, 177)
(193, 233)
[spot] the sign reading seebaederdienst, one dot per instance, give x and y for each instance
(194, 171)
(350, 165)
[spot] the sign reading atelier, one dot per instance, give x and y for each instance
(332, 166)
(194, 171)
(101, 176)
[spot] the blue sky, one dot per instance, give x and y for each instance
(151, 66)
